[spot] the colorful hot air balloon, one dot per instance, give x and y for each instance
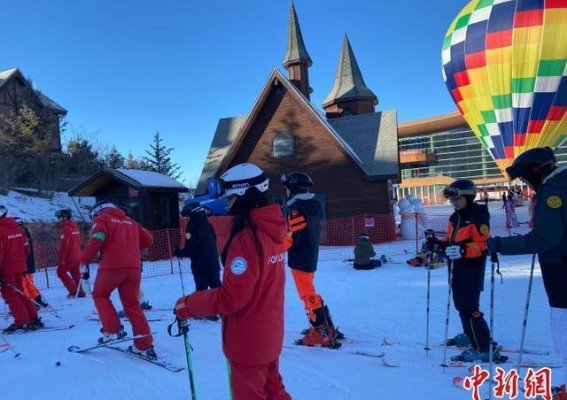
(504, 63)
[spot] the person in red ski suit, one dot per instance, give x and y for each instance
(68, 266)
(251, 297)
(13, 255)
(119, 239)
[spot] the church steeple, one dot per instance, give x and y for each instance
(349, 95)
(297, 60)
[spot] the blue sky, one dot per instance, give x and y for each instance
(124, 69)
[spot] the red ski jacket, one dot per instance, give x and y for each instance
(251, 297)
(13, 248)
(70, 245)
(118, 238)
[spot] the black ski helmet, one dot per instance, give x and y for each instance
(533, 166)
(3, 211)
(429, 233)
(64, 212)
(297, 182)
(461, 187)
(190, 208)
(364, 236)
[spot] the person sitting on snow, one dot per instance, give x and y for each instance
(363, 253)
(431, 253)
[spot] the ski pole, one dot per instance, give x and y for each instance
(525, 322)
(493, 262)
(428, 301)
(450, 271)
(49, 307)
(183, 327)
(16, 354)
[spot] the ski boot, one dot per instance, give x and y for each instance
(15, 328)
(36, 324)
(461, 340)
(338, 334)
(415, 262)
(319, 336)
(149, 353)
(109, 337)
(473, 355)
(40, 302)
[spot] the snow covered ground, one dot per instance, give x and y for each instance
(36, 209)
(367, 305)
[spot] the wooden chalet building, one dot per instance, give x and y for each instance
(350, 151)
(16, 92)
(152, 198)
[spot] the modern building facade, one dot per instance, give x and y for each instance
(434, 151)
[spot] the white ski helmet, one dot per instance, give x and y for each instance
(99, 206)
(238, 179)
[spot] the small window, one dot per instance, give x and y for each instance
(283, 145)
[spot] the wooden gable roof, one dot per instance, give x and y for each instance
(348, 133)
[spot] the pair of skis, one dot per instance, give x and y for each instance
(113, 346)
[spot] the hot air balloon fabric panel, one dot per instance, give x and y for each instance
(504, 63)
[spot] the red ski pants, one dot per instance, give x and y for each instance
(127, 281)
(70, 275)
(20, 306)
(306, 290)
(28, 284)
(257, 382)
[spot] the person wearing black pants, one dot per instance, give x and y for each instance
(467, 233)
(201, 248)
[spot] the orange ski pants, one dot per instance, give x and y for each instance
(306, 290)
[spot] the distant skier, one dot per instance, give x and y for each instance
(510, 209)
(431, 253)
(69, 265)
(30, 289)
(119, 239)
(304, 230)
(363, 253)
(13, 254)
(548, 238)
(251, 297)
(467, 233)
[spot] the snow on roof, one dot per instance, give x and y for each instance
(151, 179)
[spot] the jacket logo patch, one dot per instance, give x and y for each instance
(484, 229)
(554, 201)
(238, 266)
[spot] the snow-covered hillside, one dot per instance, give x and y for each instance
(37, 209)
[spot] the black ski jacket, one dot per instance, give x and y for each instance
(201, 244)
(304, 225)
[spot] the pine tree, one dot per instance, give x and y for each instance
(114, 159)
(159, 159)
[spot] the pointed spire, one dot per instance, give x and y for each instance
(349, 85)
(296, 51)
